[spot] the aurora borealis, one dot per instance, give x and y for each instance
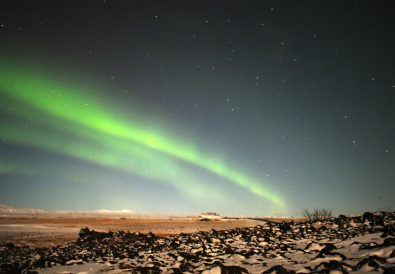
(188, 108)
(118, 143)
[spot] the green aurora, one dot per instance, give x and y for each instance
(92, 132)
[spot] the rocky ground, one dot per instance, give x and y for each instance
(340, 245)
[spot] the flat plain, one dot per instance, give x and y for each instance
(48, 230)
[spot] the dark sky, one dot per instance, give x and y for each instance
(239, 107)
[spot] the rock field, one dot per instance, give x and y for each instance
(339, 245)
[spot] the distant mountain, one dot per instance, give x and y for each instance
(13, 210)
(108, 211)
(8, 209)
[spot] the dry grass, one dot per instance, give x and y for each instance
(317, 214)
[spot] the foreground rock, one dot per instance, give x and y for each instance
(341, 245)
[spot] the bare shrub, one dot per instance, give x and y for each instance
(317, 214)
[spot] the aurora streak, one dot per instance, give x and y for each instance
(95, 134)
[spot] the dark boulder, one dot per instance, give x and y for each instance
(285, 227)
(87, 234)
(367, 216)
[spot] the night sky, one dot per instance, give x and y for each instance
(241, 108)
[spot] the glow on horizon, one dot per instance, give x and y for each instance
(119, 137)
